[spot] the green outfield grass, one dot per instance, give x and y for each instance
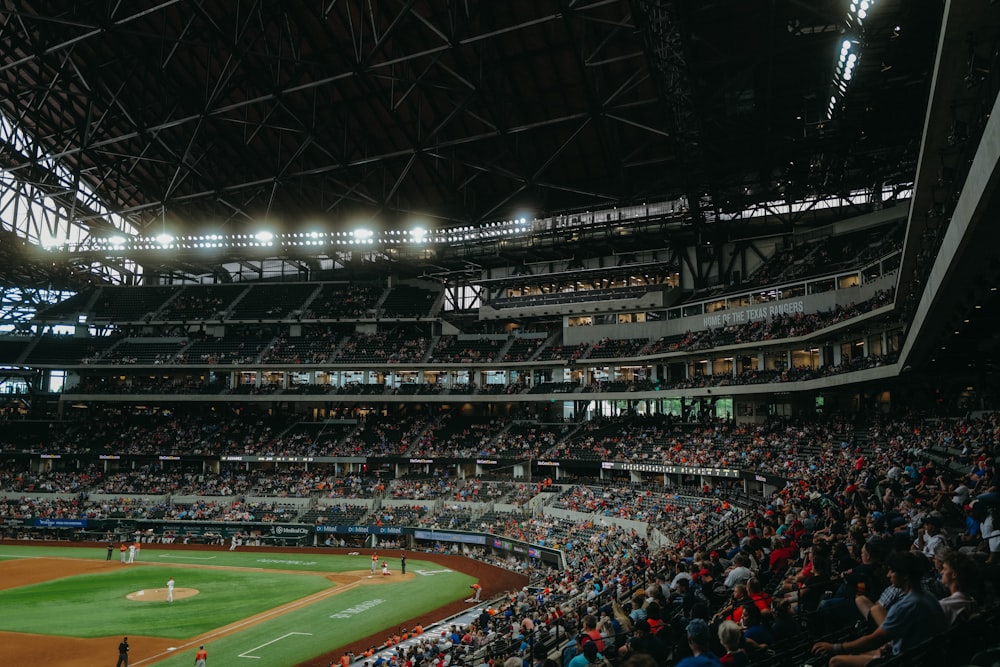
(97, 602)
(297, 636)
(95, 605)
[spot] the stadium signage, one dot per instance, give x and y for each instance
(548, 463)
(296, 531)
(191, 529)
(285, 459)
(449, 537)
(170, 458)
(491, 462)
(773, 480)
(361, 530)
(109, 457)
(752, 314)
(670, 470)
(61, 523)
(421, 460)
(50, 456)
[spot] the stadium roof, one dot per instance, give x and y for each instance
(223, 116)
(217, 115)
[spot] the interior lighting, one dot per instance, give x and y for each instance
(264, 236)
(51, 241)
(164, 239)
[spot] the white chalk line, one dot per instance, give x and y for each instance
(257, 657)
(253, 620)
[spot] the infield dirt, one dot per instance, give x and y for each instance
(31, 649)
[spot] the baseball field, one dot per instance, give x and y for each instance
(68, 606)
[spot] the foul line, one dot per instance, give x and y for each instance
(257, 657)
(187, 557)
(253, 620)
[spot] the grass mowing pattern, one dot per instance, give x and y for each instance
(360, 612)
(320, 627)
(97, 606)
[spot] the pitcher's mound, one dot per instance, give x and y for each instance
(160, 594)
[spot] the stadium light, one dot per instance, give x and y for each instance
(49, 242)
(164, 239)
(264, 236)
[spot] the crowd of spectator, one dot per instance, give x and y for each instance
(877, 544)
(343, 300)
(773, 328)
(874, 551)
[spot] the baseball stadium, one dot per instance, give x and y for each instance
(423, 333)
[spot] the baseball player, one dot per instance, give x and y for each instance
(170, 589)
(122, 653)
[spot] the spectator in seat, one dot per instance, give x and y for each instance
(916, 617)
(756, 634)
(958, 572)
(699, 639)
(731, 638)
(590, 630)
(738, 573)
(930, 539)
(643, 642)
(588, 655)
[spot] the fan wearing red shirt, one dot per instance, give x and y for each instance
(590, 630)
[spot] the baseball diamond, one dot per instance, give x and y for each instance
(266, 603)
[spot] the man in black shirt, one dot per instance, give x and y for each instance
(123, 653)
(643, 641)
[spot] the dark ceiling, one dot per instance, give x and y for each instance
(215, 115)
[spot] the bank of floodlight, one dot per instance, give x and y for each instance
(849, 52)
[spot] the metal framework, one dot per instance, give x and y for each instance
(222, 116)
